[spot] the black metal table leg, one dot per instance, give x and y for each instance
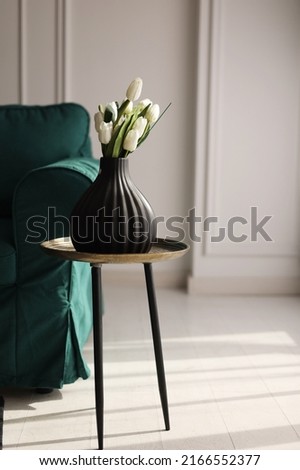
(157, 343)
(98, 350)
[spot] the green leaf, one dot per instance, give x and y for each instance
(110, 145)
(143, 112)
(121, 110)
(118, 143)
(149, 129)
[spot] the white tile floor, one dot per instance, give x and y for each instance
(233, 374)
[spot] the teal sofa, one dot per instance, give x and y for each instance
(45, 303)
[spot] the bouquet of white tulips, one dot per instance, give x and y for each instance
(121, 129)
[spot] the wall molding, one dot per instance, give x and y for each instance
(202, 119)
(22, 7)
(59, 50)
(213, 154)
(206, 181)
(62, 25)
(206, 176)
(25, 10)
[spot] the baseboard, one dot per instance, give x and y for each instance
(244, 285)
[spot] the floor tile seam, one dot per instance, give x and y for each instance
(222, 416)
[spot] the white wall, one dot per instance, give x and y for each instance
(248, 143)
(236, 61)
(88, 51)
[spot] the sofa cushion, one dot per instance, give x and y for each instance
(35, 136)
(8, 257)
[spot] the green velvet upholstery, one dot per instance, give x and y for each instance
(8, 259)
(45, 302)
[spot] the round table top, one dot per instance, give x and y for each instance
(161, 250)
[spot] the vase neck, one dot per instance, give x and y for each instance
(111, 164)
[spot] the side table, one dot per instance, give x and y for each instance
(161, 250)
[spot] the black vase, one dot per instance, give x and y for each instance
(113, 216)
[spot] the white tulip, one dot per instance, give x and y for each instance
(128, 108)
(131, 140)
(144, 103)
(98, 118)
(152, 113)
(101, 108)
(105, 132)
(140, 125)
(135, 89)
(112, 108)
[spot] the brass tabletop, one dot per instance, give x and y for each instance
(161, 250)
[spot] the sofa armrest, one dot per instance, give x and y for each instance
(42, 205)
